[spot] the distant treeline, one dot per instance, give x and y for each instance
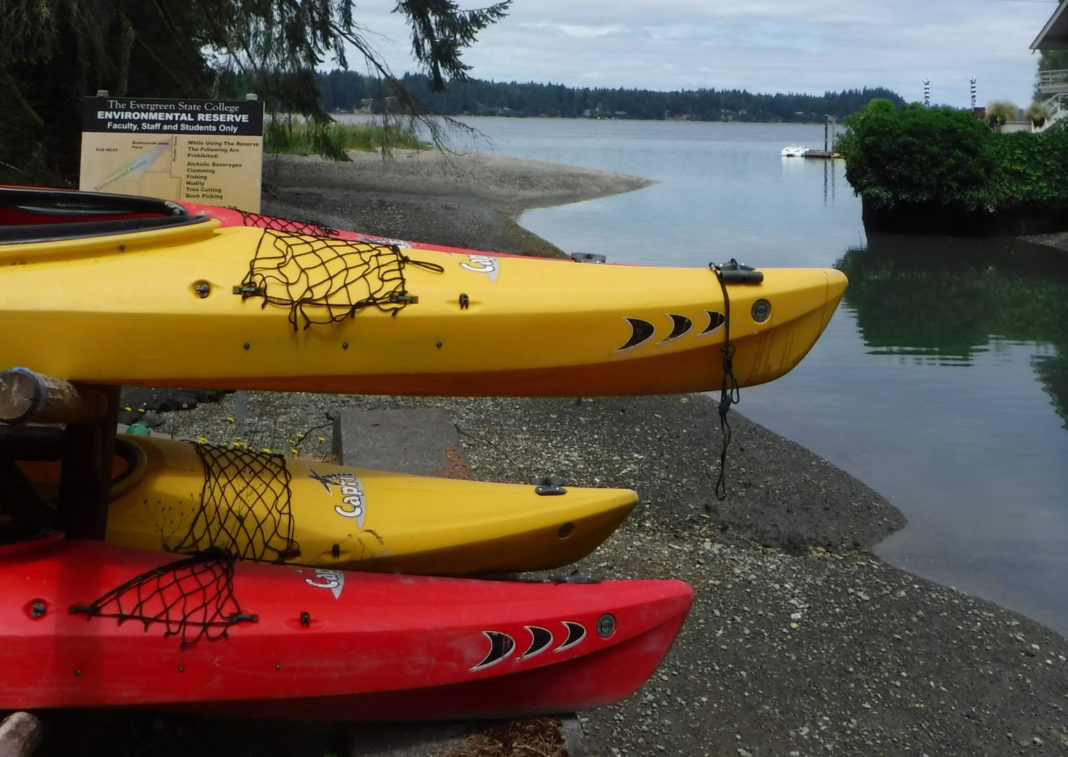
(351, 91)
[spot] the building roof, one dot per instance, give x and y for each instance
(1054, 35)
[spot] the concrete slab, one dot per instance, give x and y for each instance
(421, 441)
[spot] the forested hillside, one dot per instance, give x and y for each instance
(348, 91)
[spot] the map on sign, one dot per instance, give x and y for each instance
(188, 150)
(148, 173)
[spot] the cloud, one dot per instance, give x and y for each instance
(761, 45)
(580, 31)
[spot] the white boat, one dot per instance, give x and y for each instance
(794, 151)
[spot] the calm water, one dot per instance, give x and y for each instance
(942, 381)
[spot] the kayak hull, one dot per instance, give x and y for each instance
(458, 323)
(316, 643)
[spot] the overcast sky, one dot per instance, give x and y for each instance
(768, 46)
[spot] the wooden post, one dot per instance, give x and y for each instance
(26, 395)
(20, 733)
(90, 414)
(33, 514)
(86, 478)
(31, 442)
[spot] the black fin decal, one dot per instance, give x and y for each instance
(715, 320)
(540, 639)
(642, 332)
(501, 645)
(680, 326)
(576, 632)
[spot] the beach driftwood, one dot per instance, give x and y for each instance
(20, 733)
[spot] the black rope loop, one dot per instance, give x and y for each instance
(730, 392)
(426, 265)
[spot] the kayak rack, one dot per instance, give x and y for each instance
(80, 434)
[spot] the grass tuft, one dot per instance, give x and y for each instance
(288, 136)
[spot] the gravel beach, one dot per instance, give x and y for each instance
(800, 642)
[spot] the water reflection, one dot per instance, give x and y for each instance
(1052, 372)
(928, 383)
(944, 299)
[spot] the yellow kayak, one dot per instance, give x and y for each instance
(187, 497)
(168, 298)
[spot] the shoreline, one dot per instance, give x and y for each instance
(800, 640)
(467, 200)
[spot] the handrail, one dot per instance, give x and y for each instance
(1058, 107)
(1058, 110)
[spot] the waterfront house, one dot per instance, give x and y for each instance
(1053, 84)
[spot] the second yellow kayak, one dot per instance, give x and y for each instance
(187, 497)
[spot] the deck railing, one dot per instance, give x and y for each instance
(1053, 81)
(1058, 109)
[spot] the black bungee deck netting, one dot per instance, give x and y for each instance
(192, 598)
(287, 225)
(245, 506)
(323, 280)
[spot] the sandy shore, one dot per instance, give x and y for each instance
(801, 642)
(470, 199)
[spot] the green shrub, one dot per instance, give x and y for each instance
(1031, 170)
(941, 157)
(917, 154)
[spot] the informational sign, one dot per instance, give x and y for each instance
(208, 151)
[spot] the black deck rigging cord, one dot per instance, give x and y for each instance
(322, 280)
(729, 392)
(191, 598)
(306, 227)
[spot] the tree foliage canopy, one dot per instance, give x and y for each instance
(1052, 60)
(345, 90)
(916, 154)
(55, 52)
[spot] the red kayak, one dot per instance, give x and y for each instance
(85, 624)
(234, 217)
